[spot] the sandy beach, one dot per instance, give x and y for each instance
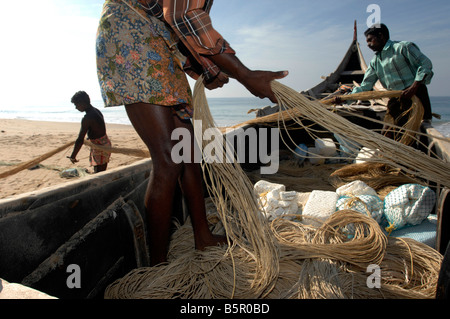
(25, 140)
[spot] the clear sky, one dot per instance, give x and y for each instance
(48, 46)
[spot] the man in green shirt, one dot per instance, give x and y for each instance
(399, 65)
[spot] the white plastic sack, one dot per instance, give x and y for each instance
(356, 188)
(262, 187)
(276, 200)
(325, 147)
(320, 205)
(365, 154)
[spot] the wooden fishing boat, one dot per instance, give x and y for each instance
(94, 223)
(97, 223)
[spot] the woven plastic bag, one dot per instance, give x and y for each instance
(370, 205)
(408, 205)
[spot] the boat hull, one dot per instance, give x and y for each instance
(95, 224)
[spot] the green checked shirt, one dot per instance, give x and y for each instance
(397, 67)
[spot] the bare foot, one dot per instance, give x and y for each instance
(214, 240)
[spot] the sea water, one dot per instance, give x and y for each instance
(225, 111)
(441, 105)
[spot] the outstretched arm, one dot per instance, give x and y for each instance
(80, 140)
(191, 22)
(257, 82)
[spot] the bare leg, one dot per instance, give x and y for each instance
(191, 185)
(155, 124)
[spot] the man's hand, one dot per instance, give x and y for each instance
(258, 83)
(411, 91)
(337, 100)
(220, 80)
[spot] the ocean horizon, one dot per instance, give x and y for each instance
(225, 111)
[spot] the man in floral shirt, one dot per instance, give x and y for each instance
(144, 50)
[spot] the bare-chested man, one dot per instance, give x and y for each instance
(94, 126)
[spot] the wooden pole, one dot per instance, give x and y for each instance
(35, 161)
(368, 95)
(117, 150)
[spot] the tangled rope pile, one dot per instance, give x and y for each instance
(282, 258)
(390, 152)
(312, 263)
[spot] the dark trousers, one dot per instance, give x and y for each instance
(397, 106)
(422, 94)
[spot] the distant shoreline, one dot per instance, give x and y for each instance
(50, 124)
